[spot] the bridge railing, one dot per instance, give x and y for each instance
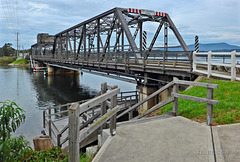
(153, 59)
(203, 63)
(175, 96)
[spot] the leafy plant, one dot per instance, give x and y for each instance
(11, 116)
(55, 154)
(14, 149)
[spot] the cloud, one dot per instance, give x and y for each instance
(212, 20)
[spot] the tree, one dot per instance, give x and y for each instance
(11, 116)
(17, 148)
(7, 50)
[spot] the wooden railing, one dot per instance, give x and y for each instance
(220, 60)
(175, 96)
(76, 136)
(53, 114)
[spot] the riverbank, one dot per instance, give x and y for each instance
(4, 61)
(227, 112)
(20, 63)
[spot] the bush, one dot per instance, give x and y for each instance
(14, 149)
(55, 154)
(11, 116)
(6, 60)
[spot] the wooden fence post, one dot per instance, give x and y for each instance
(175, 102)
(113, 120)
(209, 106)
(73, 118)
(233, 65)
(209, 64)
(194, 61)
(44, 114)
(58, 140)
(50, 128)
(104, 104)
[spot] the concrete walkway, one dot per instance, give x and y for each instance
(167, 139)
(227, 142)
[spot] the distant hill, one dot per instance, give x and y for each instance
(214, 47)
(211, 47)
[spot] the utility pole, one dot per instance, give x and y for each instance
(17, 45)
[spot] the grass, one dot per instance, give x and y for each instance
(20, 61)
(6, 60)
(227, 112)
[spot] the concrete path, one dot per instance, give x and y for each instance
(227, 142)
(167, 139)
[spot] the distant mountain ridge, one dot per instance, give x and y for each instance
(214, 47)
(211, 47)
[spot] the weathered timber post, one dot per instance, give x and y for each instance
(104, 104)
(233, 65)
(58, 140)
(194, 61)
(209, 106)
(49, 122)
(130, 113)
(175, 102)
(44, 114)
(73, 117)
(113, 120)
(50, 128)
(209, 64)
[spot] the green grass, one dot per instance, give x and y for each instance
(20, 61)
(6, 60)
(227, 112)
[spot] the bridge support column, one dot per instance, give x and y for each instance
(50, 70)
(144, 92)
(56, 71)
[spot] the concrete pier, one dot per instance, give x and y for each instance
(56, 71)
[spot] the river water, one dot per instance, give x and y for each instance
(32, 91)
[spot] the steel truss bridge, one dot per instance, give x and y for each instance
(113, 43)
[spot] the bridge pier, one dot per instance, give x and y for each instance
(150, 87)
(56, 70)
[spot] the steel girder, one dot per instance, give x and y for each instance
(80, 39)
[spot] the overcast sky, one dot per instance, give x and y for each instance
(212, 20)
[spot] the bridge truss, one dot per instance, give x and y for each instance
(114, 36)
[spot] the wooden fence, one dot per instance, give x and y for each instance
(76, 136)
(220, 60)
(175, 96)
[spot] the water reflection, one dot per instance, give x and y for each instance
(59, 89)
(34, 91)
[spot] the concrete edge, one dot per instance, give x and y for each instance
(217, 144)
(102, 149)
(227, 125)
(143, 120)
(211, 151)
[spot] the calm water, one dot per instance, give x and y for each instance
(33, 92)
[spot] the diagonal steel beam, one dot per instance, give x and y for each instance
(128, 35)
(109, 33)
(117, 40)
(155, 36)
(177, 34)
(80, 42)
